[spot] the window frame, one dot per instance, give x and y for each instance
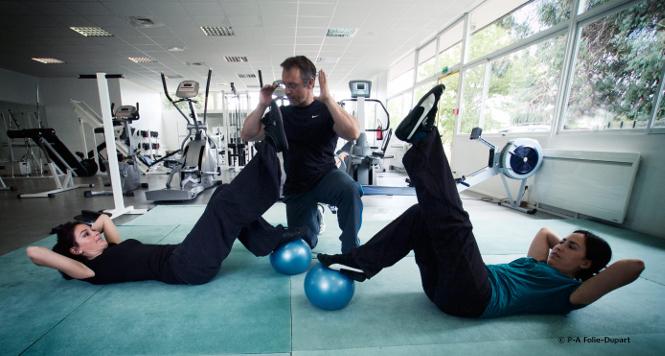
(570, 28)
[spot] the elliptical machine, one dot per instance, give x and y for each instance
(130, 176)
(198, 164)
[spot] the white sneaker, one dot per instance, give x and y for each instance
(322, 221)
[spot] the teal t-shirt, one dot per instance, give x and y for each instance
(527, 286)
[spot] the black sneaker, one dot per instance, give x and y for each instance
(274, 128)
(421, 117)
(343, 263)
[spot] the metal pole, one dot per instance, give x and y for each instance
(114, 167)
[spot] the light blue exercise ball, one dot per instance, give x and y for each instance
(328, 289)
(292, 257)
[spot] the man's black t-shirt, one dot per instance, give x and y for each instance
(312, 142)
(130, 261)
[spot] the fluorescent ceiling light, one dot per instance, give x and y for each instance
(176, 49)
(340, 32)
(92, 31)
(142, 60)
(218, 31)
(47, 60)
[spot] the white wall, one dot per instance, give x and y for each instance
(645, 213)
(17, 87)
(150, 107)
(18, 93)
(56, 94)
(379, 85)
(174, 126)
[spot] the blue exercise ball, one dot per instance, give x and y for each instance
(328, 289)
(292, 257)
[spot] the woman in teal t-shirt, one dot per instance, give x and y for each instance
(558, 275)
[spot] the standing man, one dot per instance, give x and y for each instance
(312, 126)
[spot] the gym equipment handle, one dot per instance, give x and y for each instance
(384, 110)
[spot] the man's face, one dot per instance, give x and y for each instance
(296, 90)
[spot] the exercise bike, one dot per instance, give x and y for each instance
(362, 159)
(130, 176)
(197, 166)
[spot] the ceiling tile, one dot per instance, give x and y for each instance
(14, 8)
(87, 8)
(246, 21)
(239, 8)
(316, 9)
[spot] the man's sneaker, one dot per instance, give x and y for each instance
(343, 263)
(421, 117)
(274, 128)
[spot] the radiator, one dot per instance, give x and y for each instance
(592, 183)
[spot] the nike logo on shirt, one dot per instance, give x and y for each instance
(315, 116)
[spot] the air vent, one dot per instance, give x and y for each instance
(196, 64)
(218, 31)
(235, 59)
(142, 60)
(340, 32)
(174, 76)
(91, 31)
(246, 76)
(47, 60)
(143, 22)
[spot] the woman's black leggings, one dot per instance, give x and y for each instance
(439, 232)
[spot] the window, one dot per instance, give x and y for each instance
(448, 108)
(400, 83)
(520, 93)
(523, 88)
(422, 89)
(398, 107)
(450, 46)
(534, 17)
(472, 97)
(618, 69)
(427, 61)
(590, 4)
(400, 75)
